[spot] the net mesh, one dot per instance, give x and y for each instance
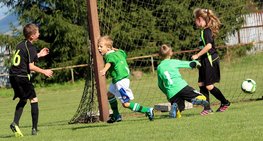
(140, 26)
(87, 111)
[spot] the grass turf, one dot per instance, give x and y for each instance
(243, 121)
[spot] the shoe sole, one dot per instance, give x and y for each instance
(223, 109)
(208, 113)
(117, 120)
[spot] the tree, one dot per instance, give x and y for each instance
(63, 29)
(141, 26)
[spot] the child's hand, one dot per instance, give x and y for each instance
(103, 72)
(195, 64)
(43, 52)
(48, 73)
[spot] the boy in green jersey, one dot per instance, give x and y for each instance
(173, 85)
(116, 65)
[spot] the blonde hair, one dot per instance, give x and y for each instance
(107, 41)
(29, 30)
(165, 51)
(212, 21)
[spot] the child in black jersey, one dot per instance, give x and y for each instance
(209, 72)
(22, 64)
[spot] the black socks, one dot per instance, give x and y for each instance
(205, 92)
(34, 114)
(19, 110)
(218, 95)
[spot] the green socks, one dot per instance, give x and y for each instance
(136, 107)
(114, 105)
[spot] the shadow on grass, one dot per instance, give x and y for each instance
(91, 125)
(49, 124)
(7, 136)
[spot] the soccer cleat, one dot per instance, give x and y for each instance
(34, 131)
(14, 127)
(178, 114)
(200, 100)
(173, 111)
(206, 112)
(150, 114)
(223, 107)
(113, 118)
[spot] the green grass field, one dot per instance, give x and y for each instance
(59, 102)
(242, 122)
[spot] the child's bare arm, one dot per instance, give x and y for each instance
(105, 69)
(203, 51)
(46, 72)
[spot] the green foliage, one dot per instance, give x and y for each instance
(62, 29)
(240, 50)
(140, 27)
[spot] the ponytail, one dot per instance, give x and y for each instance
(210, 18)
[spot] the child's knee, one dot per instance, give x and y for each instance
(126, 105)
(34, 100)
(209, 87)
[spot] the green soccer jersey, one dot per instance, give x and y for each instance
(119, 68)
(170, 80)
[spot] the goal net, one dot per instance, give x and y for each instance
(140, 26)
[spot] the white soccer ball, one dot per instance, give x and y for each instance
(248, 86)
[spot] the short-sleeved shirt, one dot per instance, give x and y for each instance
(209, 72)
(170, 80)
(208, 38)
(119, 68)
(25, 54)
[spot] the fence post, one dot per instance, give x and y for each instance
(72, 75)
(152, 64)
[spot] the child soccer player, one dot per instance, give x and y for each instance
(209, 72)
(23, 62)
(173, 85)
(116, 65)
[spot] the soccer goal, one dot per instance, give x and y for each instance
(140, 26)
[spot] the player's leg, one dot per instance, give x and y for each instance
(205, 92)
(126, 96)
(177, 105)
(191, 95)
(115, 116)
(18, 87)
(218, 95)
(204, 75)
(136, 107)
(18, 112)
(199, 99)
(213, 76)
(34, 114)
